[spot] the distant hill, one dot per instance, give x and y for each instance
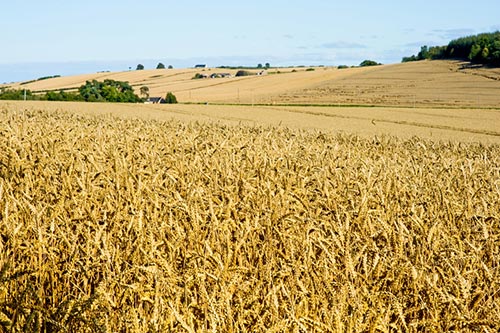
(423, 83)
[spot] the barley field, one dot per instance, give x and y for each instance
(120, 224)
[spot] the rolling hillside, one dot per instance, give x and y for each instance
(425, 83)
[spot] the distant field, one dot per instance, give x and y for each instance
(419, 84)
(464, 125)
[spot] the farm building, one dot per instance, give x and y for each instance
(219, 75)
(200, 66)
(155, 100)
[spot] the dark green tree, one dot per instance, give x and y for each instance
(365, 63)
(495, 52)
(424, 53)
(243, 73)
(108, 91)
(170, 98)
(140, 67)
(91, 91)
(436, 52)
(485, 53)
(475, 52)
(160, 66)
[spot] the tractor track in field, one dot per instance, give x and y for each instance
(373, 120)
(397, 122)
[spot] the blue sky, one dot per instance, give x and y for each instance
(64, 37)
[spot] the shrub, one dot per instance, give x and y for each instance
(366, 63)
(170, 98)
(61, 96)
(243, 73)
(409, 59)
(144, 91)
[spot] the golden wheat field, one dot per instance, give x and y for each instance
(130, 224)
(461, 125)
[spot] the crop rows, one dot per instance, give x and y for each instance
(127, 225)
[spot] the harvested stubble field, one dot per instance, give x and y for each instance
(422, 83)
(126, 225)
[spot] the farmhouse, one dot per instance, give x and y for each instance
(219, 75)
(200, 66)
(155, 100)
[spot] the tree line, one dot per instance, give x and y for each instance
(160, 65)
(481, 49)
(91, 91)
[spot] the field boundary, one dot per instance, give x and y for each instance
(341, 105)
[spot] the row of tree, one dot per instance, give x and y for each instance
(15, 95)
(140, 67)
(482, 49)
(19, 95)
(91, 91)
